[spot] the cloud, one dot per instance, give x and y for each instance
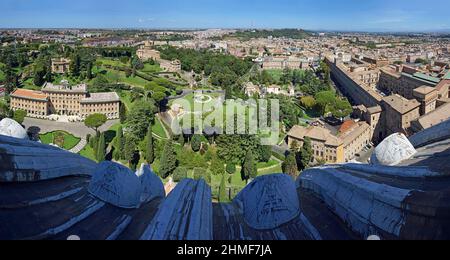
(146, 20)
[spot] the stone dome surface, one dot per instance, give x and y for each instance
(152, 187)
(393, 150)
(11, 128)
(269, 201)
(117, 185)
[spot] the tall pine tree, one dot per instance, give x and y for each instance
(101, 149)
(122, 113)
(249, 169)
(168, 160)
(119, 145)
(150, 149)
(290, 165)
(306, 154)
(129, 150)
(223, 191)
(196, 143)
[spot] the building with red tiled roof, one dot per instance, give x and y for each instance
(35, 103)
(65, 100)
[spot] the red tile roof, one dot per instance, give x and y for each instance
(347, 125)
(31, 94)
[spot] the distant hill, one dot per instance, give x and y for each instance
(277, 33)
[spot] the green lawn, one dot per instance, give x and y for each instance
(126, 99)
(158, 129)
(148, 68)
(268, 164)
(29, 84)
(111, 62)
(88, 152)
(113, 75)
(273, 170)
(67, 141)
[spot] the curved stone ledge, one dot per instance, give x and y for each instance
(269, 201)
(432, 135)
(399, 171)
(186, 214)
(367, 207)
(26, 161)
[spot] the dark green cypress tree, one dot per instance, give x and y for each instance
(290, 165)
(223, 191)
(168, 160)
(150, 149)
(101, 149)
(249, 169)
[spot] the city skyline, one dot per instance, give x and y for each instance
(372, 15)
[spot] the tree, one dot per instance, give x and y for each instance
(306, 153)
(196, 143)
(223, 197)
(89, 71)
(234, 148)
(249, 168)
(325, 99)
(217, 166)
(181, 140)
(122, 113)
(265, 153)
(11, 81)
(120, 143)
(40, 72)
(179, 174)
(308, 102)
(325, 71)
(5, 111)
(94, 121)
(159, 97)
(139, 118)
(168, 160)
(150, 150)
(129, 149)
(342, 108)
(75, 66)
(290, 165)
(231, 168)
(19, 116)
(201, 173)
(101, 149)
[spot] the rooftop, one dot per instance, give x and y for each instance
(424, 90)
(48, 193)
(401, 104)
(101, 97)
(50, 87)
(435, 117)
(315, 132)
(29, 94)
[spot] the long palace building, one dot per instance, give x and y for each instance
(65, 100)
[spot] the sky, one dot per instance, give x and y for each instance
(343, 15)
